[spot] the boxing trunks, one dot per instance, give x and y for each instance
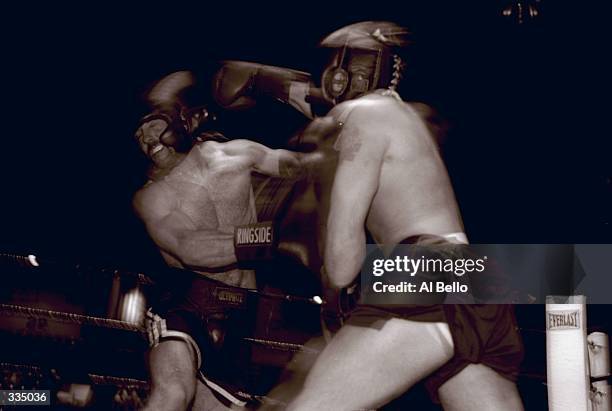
(481, 333)
(222, 325)
(205, 314)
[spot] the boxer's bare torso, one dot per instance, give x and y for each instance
(195, 200)
(209, 190)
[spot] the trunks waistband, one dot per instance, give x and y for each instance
(425, 239)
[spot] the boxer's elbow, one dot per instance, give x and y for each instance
(341, 266)
(341, 280)
(167, 90)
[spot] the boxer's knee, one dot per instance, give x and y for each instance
(173, 376)
(171, 396)
(494, 391)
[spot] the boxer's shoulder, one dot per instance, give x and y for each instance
(234, 153)
(207, 154)
(366, 109)
(152, 198)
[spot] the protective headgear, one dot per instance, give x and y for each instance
(182, 123)
(364, 58)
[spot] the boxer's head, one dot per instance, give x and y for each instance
(363, 57)
(150, 139)
(168, 133)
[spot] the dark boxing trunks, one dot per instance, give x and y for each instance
(212, 318)
(482, 333)
(220, 323)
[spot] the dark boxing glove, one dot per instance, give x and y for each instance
(338, 303)
(238, 84)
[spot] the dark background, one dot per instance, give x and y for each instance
(526, 160)
(528, 150)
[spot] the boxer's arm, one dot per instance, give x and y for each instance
(173, 232)
(362, 145)
(168, 90)
(281, 163)
(239, 84)
(268, 161)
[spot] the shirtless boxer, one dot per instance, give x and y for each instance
(190, 209)
(391, 180)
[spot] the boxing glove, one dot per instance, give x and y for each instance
(337, 304)
(238, 84)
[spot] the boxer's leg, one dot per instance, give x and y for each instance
(293, 376)
(478, 387)
(173, 376)
(364, 368)
(205, 400)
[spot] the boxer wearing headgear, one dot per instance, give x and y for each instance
(359, 61)
(235, 85)
(391, 181)
(192, 208)
(170, 114)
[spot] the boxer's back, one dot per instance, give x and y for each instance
(414, 194)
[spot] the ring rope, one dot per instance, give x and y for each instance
(97, 379)
(19, 367)
(10, 309)
(284, 346)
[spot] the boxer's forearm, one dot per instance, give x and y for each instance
(280, 163)
(343, 258)
(276, 163)
(290, 164)
(168, 89)
(298, 165)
